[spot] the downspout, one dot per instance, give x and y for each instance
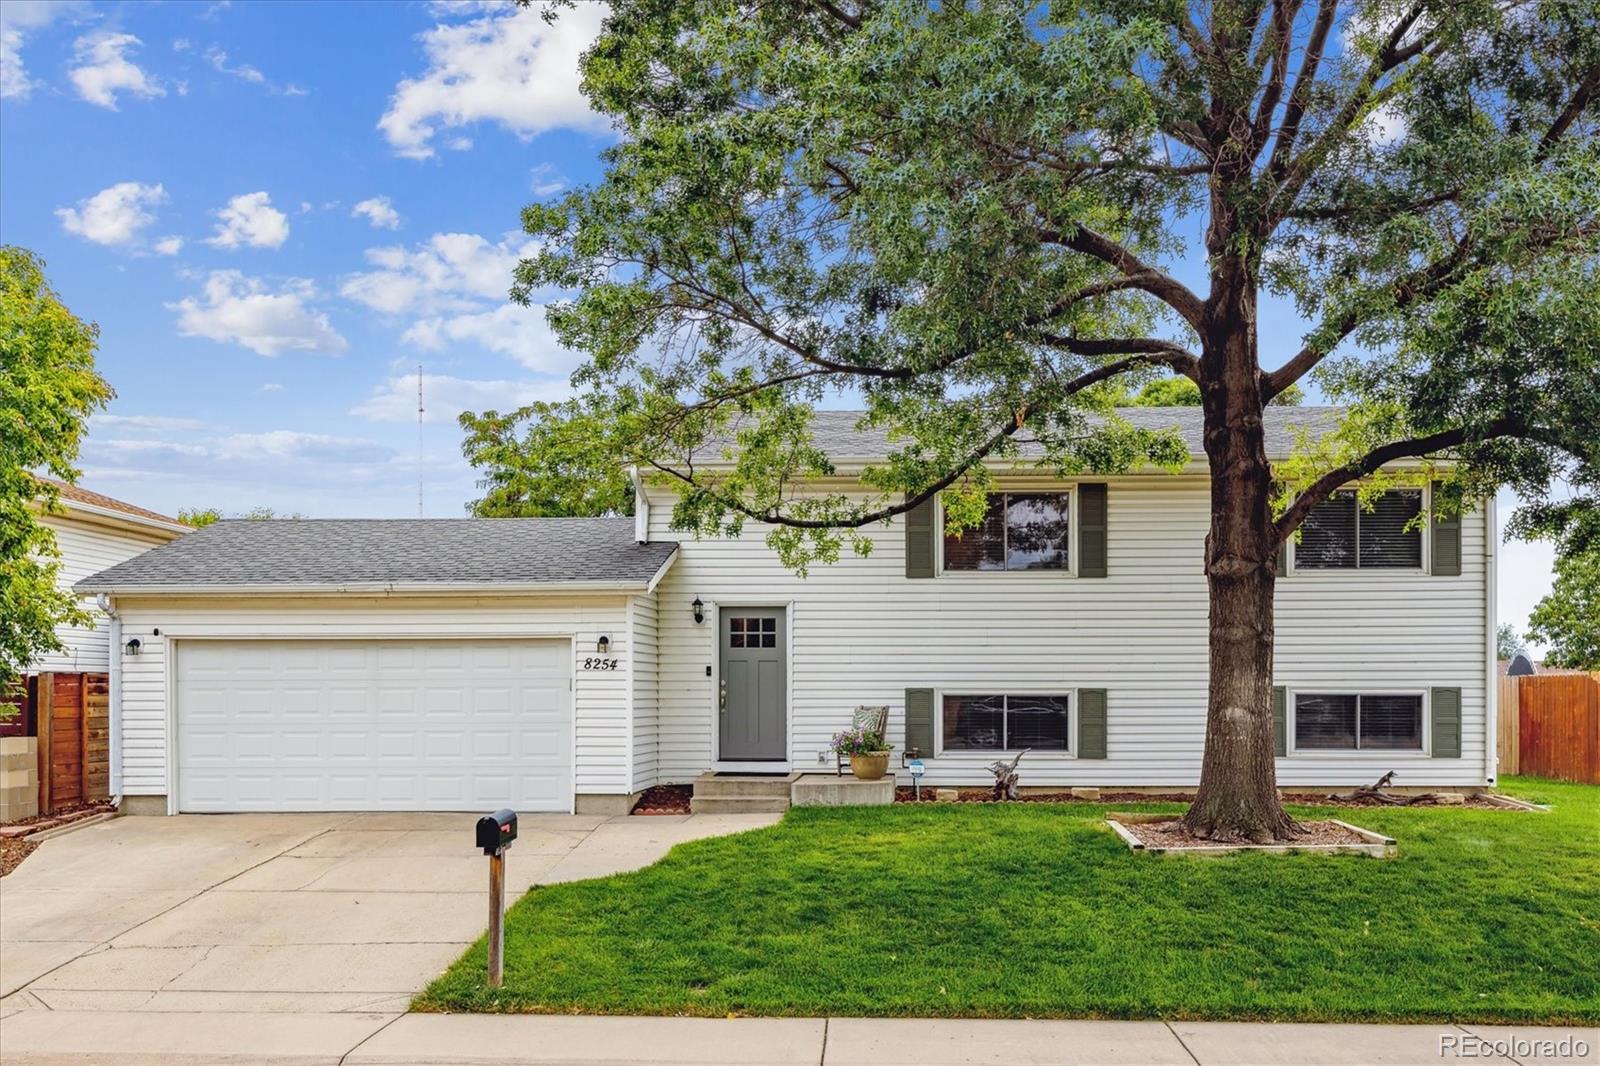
(1491, 701)
(114, 710)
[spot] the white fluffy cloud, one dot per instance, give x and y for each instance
(102, 69)
(445, 397)
(218, 59)
(114, 215)
(449, 271)
(168, 246)
(250, 220)
(150, 423)
(18, 19)
(544, 181)
(378, 211)
(506, 66)
(235, 309)
(518, 332)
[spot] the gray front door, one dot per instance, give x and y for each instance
(752, 715)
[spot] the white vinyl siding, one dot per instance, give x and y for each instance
(88, 548)
(645, 702)
(863, 633)
(599, 698)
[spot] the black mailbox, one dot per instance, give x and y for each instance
(497, 830)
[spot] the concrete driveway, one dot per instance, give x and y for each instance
(320, 913)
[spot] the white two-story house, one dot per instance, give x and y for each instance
(567, 664)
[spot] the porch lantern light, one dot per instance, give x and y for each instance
(699, 611)
(603, 645)
(132, 647)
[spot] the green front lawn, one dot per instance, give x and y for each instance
(1039, 911)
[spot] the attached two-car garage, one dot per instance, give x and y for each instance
(429, 665)
(319, 725)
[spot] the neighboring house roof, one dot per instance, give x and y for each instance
(837, 434)
(75, 497)
(283, 554)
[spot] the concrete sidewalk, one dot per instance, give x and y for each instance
(60, 1037)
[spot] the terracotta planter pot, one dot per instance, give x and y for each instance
(870, 767)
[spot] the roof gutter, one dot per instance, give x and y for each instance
(112, 513)
(376, 588)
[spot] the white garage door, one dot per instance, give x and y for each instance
(356, 725)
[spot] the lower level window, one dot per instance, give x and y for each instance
(1005, 723)
(1350, 721)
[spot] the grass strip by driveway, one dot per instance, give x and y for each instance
(1034, 910)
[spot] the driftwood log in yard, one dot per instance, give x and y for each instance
(1375, 791)
(1005, 776)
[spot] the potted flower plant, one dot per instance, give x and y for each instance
(869, 753)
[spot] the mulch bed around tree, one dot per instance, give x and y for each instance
(664, 799)
(904, 794)
(1172, 835)
(12, 852)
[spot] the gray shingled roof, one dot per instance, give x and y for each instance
(835, 432)
(407, 552)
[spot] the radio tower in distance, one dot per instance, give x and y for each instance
(419, 440)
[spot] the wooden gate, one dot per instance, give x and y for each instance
(73, 725)
(1558, 729)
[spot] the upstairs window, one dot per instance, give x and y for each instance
(1340, 534)
(1364, 722)
(1019, 531)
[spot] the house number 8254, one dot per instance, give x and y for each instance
(597, 663)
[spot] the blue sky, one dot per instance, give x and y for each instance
(276, 212)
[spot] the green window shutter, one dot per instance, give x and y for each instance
(1091, 723)
(1280, 721)
(920, 534)
(1446, 533)
(1092, 530)
(919, 721)
(1446, 723)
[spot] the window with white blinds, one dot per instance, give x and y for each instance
(1341, 534)
(1366, 721)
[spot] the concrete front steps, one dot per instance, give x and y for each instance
(776, 793)
(741, 793)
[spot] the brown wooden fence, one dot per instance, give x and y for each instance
(72, 718)
(1508, 722)
(1550, 726)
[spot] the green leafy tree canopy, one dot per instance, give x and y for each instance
(1567, 621)
(200, 517)
(966, 218)
(1508, 642)
(48, 390)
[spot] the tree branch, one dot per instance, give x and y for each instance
(1420, 283)
(1582, 97)
(1283, 16)
(1012, 426)
(1141, 350)
(1324, 486)
(1139, 274)
(1300, 95)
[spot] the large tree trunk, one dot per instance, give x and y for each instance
(1238, 794)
